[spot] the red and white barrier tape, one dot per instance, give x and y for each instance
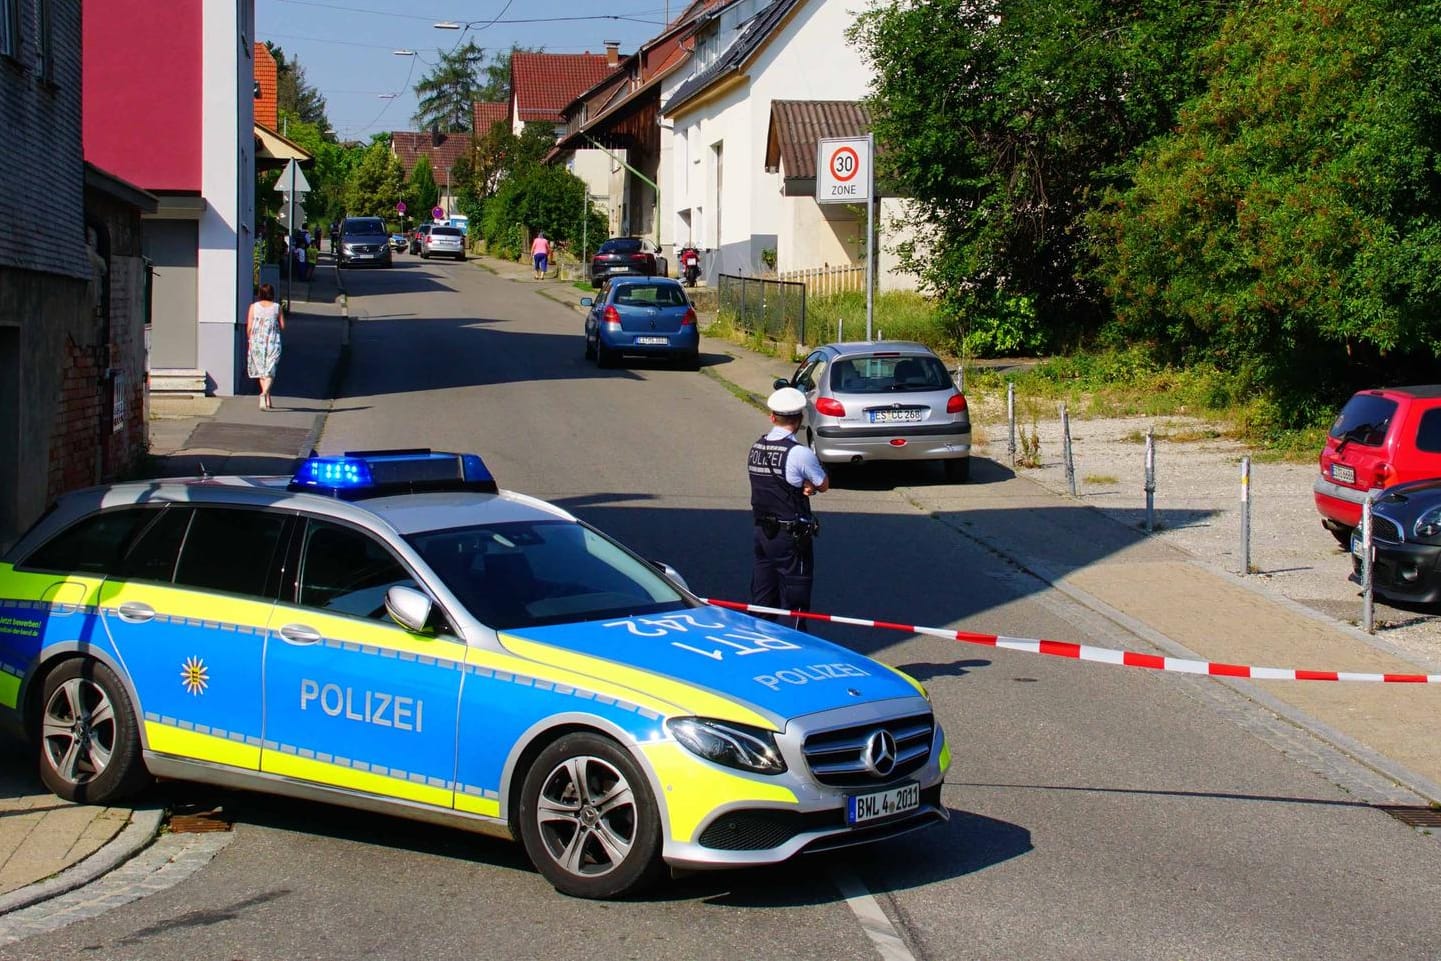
(1103, 655)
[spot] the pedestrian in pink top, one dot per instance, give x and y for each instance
(540, 254)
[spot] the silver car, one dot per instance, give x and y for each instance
(883, 400)
(441, 241)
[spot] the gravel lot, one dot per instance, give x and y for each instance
(1198, 508)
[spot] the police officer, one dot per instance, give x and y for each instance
(783, 475)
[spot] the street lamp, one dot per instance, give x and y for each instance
(386, 96)
(446, 25)
(402, 53)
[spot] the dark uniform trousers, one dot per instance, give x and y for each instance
(783, 551)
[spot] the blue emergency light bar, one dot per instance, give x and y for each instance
(378, 473)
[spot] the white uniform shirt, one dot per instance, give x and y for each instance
(802, 465)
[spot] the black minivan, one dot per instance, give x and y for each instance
(364, 240)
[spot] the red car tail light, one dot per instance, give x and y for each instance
(689, 319)
(1385, 475)
(956, 404)
(612, 317)
(830, 407)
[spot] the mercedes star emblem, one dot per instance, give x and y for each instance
(880, 756)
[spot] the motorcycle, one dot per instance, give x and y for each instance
(690, 265)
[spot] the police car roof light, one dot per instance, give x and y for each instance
(359, 474)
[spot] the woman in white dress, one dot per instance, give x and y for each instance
(263, 324)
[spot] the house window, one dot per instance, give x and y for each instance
(10, 28)
(45, 41)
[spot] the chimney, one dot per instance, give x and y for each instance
(612, 53)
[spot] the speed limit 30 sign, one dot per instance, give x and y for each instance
(843, 170)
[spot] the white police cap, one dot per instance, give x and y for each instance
(787, 400)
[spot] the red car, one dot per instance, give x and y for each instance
(1381, 437)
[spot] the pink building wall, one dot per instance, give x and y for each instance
(142, 91)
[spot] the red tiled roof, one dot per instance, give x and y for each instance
(408, 147)
(486, 114)
(544, 83)
(267, 105)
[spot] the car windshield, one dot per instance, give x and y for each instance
(1364, 420)
(525, 574)
(364, 225)
(649, 295)
(626, 245)
(885, 374)
(444, 232)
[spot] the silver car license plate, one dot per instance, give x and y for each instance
(882, 804)
(910, 416)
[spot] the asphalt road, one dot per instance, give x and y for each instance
(1097, 813)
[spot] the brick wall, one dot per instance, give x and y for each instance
(40, 151)
(74, 452)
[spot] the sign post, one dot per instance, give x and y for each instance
(291, 182)
(845, 175)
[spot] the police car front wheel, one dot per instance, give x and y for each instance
(89, 742)
(588, 819)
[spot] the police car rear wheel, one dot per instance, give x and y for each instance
(588, 820)
(89, 742)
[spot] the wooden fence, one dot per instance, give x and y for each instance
(821, 281)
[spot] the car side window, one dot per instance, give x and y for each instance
(230, 549)
(1428, 432)
(155, 554)
(805, 375)
(347, 571)
(93, 546)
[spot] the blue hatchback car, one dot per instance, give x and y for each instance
(644, 316)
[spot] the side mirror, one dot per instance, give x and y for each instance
(587, 302)
(409, 608)
(671, 573)
(779, 383)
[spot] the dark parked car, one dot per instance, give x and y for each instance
(417, 237)
(1406, 539)
(646, 316)
(883, 400)
(620, 256)
(364, 240)
(1381, 438)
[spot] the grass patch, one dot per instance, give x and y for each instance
(1100, 480)
(896, 315)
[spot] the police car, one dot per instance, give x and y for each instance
(390, 631)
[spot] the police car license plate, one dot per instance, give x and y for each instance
(882, 804)
(907, 416)
(1343, 473)
(652, 340)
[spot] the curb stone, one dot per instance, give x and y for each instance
(136, 836)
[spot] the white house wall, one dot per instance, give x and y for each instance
(807, 59)
(227, 181)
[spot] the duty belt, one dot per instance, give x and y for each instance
(799, 527)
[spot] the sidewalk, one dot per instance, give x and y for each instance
(1169, 599)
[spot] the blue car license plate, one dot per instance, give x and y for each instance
(653, 341)
(882, 804)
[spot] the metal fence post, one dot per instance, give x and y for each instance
(1245, 515)
(745, 311)
(1368, 596)
(1011, 420)
(1066, 451)
(1150, 480)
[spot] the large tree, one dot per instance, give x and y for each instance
(294, 95)
(448, 92)
(422, 190)
(1002, 119)
(1296, 210)
(376, 184)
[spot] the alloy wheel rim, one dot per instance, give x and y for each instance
(586, 815)
(78, 731)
